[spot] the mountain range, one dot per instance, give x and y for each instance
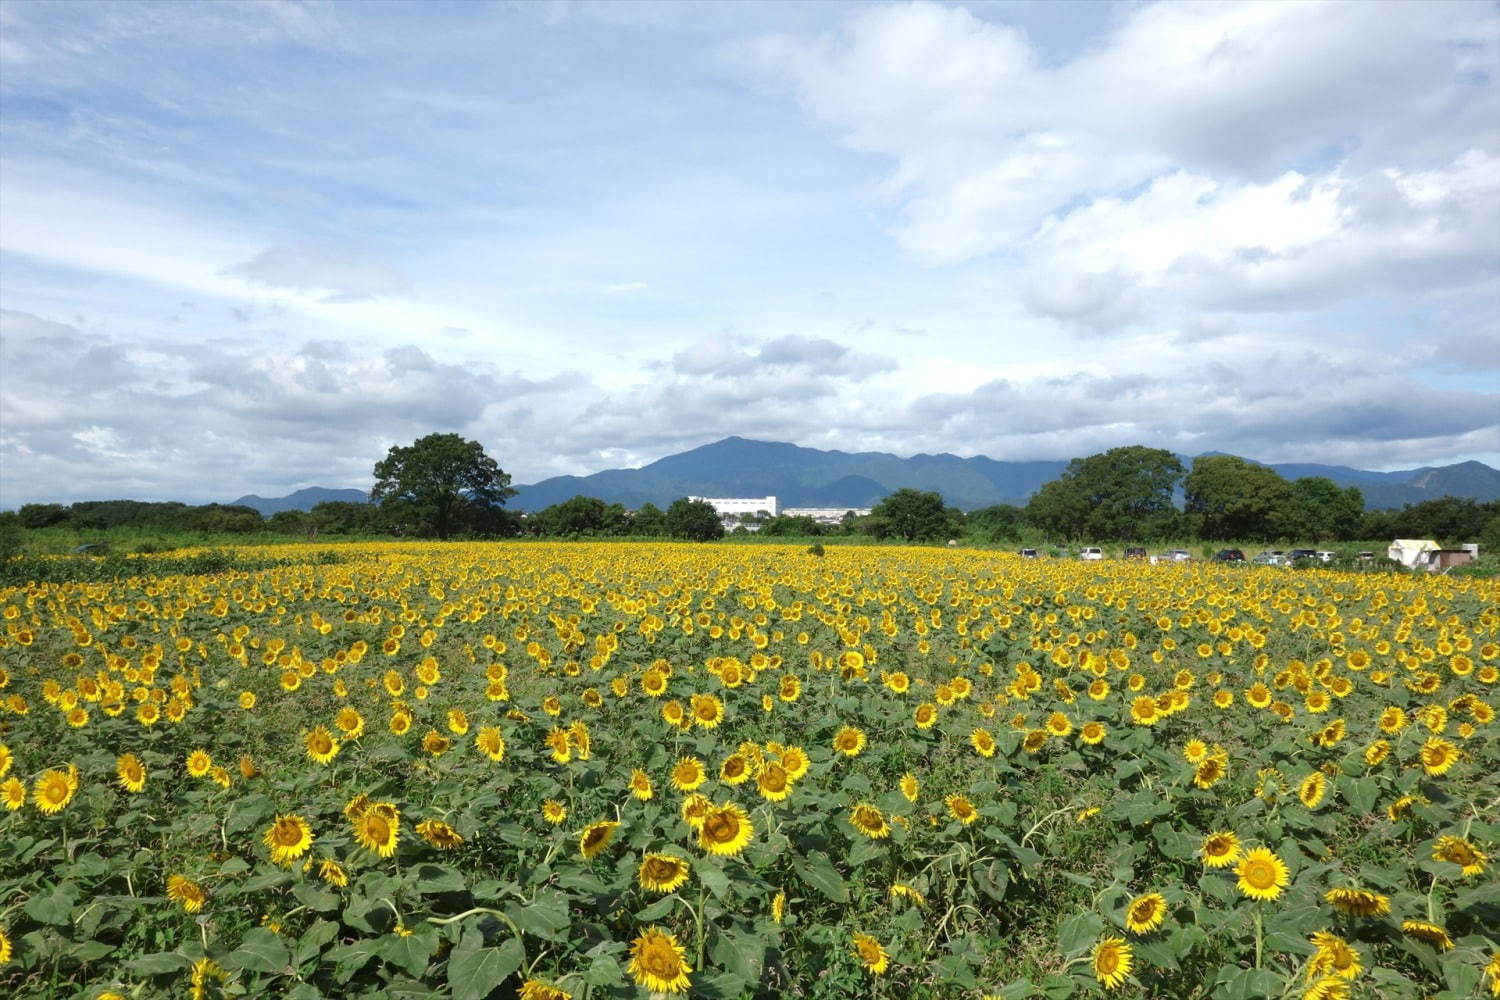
(305, 499)
(809, 477)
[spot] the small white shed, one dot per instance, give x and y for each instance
(1409, 551)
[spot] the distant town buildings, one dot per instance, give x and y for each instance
(826, 515)
(735, 507)
(745, 511)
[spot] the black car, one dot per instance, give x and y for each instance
(1135, 552)
(1310, 555)
(1229, 555)
(1028, 553)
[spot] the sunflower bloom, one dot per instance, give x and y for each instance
(490, 742)
(1262, 875)
(688, 774)
(554, 812)
(1460, 852)
(726, 830)
(662, 873)
(1334, 957)
(849, 741)
(869, 821)
(378, 828)
(1431, 933)
(53, 791)
(1358, 902)
(1145, 913)
(773, 783)
(13, 793)
(535, 989)
(658, 962)
(595, 838)
(288, 838)
(320, 745)
(439, 834)
(187, 892)
(1220, 850)
(1438, 756)
(131, 773)
(871, 954)
(1112, 962)
(961, 809)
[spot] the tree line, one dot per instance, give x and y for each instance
(443, 486)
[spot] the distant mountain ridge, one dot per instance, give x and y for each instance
(304, 499)
(809, 477)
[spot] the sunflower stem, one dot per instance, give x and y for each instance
(1258, 936)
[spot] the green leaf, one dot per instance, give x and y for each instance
(546, 916)
(438, 878)
(159, 964)
(409, 952)
(953, 969)
(316, 899)
(1252, 984)
(55, 907)
(474, 973)
(314, 940)
(818, 873)
(712, 876)
(741, 954)
(1078, 933)
(1018, 990)
(261, 950)
(1362, 794)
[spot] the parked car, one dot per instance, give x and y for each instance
(1328, 557)
(1295, 554)
(1135, 552)
(1091, 553)
(1028, 553)
(1268, 559)
(1364, 557)
(1177, 555)
(1229, 555)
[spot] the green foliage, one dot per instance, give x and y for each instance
(1228, 498)
(441, 483)
(580, 517)
(1121, 494)
(913, 516)
(693, 520)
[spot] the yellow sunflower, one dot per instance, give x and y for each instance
(658, 962)
(439, 834)
(871, 954)
(320, 745)
(490, 742)
(554, 812)
(1262, 875)
(983, 742)
(288, 838)
(536, 989)
(796, 762)
(187, 892)
(662, 873)
(1112, 962)
(131, 773)
(1431, 933)
(773, 783)
(595, 838)
(726, 830)
(687, 774)
(378, 828)
(910, 786)
(1145, 913)
(640, 785)
(199, 763)
(735, 770)
(961, 809)
(1334, 957)
(1460, 852)
(1438, 756)
(1312, 789)
(1358, 902)
(849, 741)
(13, 793)
(53, 791)
(869, 821)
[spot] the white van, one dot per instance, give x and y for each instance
(1091, 552)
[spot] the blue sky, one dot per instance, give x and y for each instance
(247, 247)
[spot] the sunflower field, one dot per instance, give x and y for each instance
(616, 769)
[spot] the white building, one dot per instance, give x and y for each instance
(732, 508)
(826, 515)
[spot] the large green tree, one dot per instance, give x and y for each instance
(694, 520)
(581, 515)
(1317, 510)
(439, 482)
(1124, 494)
(1228, 498)
(913, 515)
